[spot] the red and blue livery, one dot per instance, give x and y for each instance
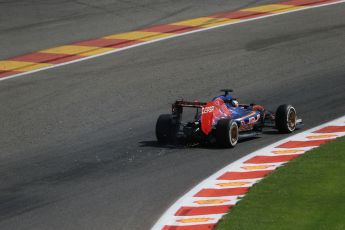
(222, 121)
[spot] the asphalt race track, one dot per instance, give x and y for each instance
(28, 26)
(77, 144)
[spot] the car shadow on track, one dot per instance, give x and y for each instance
(156, 144)
(271, 132)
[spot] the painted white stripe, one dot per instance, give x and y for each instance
(168, 217)
(166, 38)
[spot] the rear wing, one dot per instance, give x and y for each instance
(211, 112)
(193, 104)
(177, 107)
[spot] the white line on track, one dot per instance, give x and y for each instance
(166, 38)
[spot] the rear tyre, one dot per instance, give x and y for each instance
(165, 128)
(227, 133)
(286, 118)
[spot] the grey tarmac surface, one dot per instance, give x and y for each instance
(28, 26)
(77, 142)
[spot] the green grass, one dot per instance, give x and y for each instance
(307, 193)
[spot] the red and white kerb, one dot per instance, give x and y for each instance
(203, 206)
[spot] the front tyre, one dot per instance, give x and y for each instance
(286, 118)
(227, 133)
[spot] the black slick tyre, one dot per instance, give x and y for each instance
(226, 133)
(165, 128)
(286, 118)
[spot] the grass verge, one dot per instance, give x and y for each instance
(307, 193)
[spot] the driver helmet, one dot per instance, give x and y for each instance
(234, 103)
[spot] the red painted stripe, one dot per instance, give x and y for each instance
(305, 2)
(331, 129)
(190, 227)
(65, 59)
(195, 211)
(212, 192)
(111, 43)
(270, 159)
(299, 144)
(170, 28)
(244, 175)
(238, 15)
(8, 73)
(46, 58)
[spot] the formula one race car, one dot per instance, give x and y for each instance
(222, 121)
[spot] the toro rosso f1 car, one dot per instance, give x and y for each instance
(222, 121)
